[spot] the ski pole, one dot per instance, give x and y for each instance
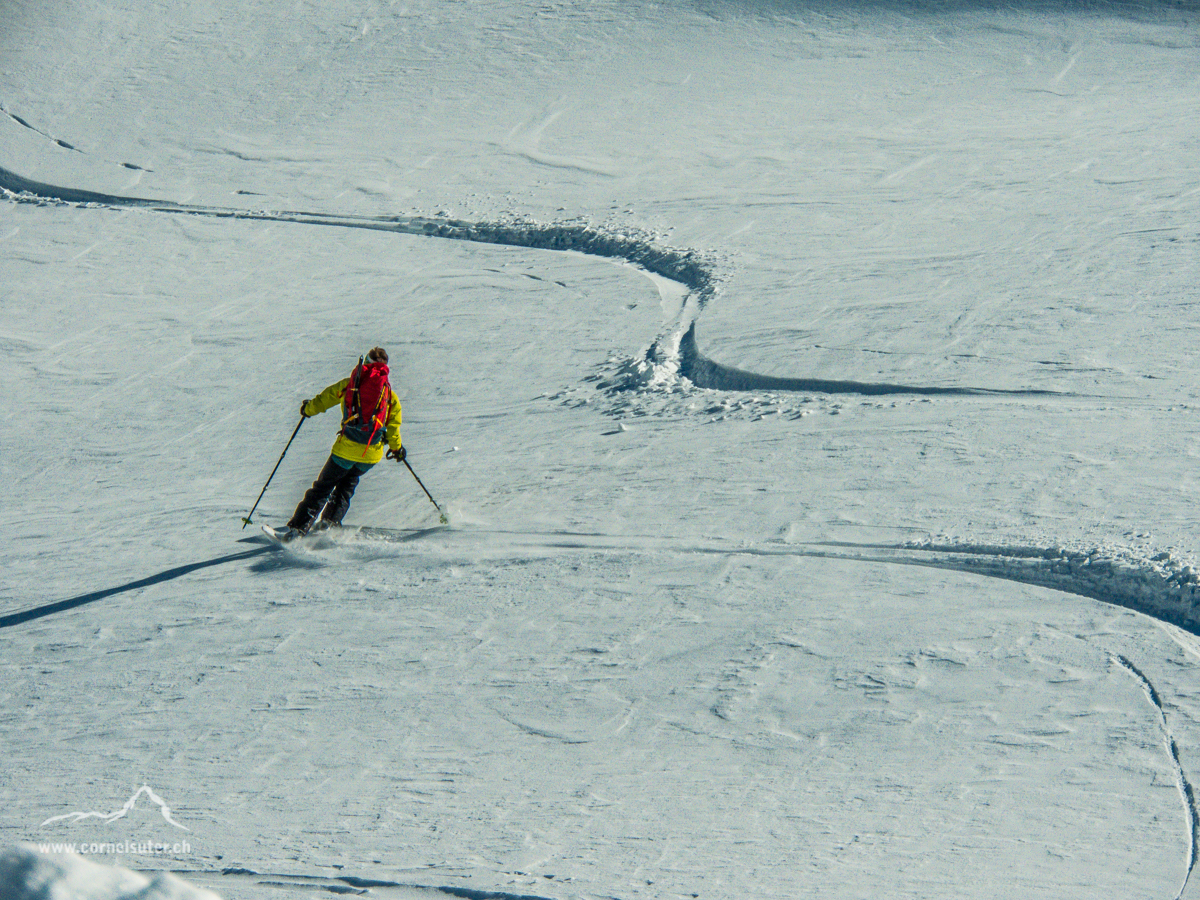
(246, 518)
(445, 521)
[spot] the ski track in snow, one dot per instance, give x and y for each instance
(1161, 586)
(353, 885)
(1186, 791)
(59, 142)
(674, 355)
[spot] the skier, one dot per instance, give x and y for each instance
(370, 418)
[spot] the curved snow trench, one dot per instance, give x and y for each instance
(1159, 587)
(1186, 791)
(674, 355)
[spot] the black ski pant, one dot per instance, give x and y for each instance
(329, 497)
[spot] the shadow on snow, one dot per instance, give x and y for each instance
(38, 612)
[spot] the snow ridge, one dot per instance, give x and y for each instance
(672, 356)
(687, 267)
(662, 363)
(1186, 790)
(1161, 587)
(705, 373)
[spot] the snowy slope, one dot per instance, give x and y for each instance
(27, 874)
(808, 387)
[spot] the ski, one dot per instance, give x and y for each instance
(277, 536)
(332, 537)
(291, 540)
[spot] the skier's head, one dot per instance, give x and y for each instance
(377, 355)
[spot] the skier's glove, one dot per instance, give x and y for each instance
(398, 455)
(304, 410)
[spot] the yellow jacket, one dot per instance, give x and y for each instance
(345, 448)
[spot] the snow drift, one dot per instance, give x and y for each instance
(26, 873)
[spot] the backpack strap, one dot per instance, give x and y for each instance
(353, 404)
(384, 398)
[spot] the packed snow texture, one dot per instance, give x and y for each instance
(27, 874)
(809, 387)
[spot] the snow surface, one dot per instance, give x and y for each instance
(27, 874)
(808, 384)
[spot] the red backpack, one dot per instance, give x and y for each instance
(365, 404)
